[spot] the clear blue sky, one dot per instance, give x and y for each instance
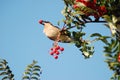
(22, 41)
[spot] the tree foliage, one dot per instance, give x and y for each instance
(32, 72)
(78, 13)
(5, 72)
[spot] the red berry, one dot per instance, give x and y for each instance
(96, 16)
(54, 50)
(119, 56)
(51, 53)
(75, 6)
(56, 57)
(61, 49)
(95, 1)
(51, 49)
(118, 59)
(58, 47)
(57, 52)
(40, 21)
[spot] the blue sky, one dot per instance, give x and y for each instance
(22, 41)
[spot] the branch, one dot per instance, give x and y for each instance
(96, 22)
(87, 22)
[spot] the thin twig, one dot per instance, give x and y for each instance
(96, 22)
(87, 22)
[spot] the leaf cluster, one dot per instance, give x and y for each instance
(112, 50)
(32, 72)
(83, 45)
(77, 18)
(5, 72)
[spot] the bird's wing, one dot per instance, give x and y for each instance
(65, 39)
(52, 33)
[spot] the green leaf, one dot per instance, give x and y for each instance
(112, 64)
(34, 78)
(3, 61)
(108, 55)
(1, 65)
(6, 78)
(25, 77)
(3, 73)
(2, 69)
(119, 77)
(78, 44)
(95, 34)
(27, 72)
(114, 43)
(104, 39)
(28, 69)
(115, 49)
(36, 66)
(36, 74)
(36, 69)
(29, 66)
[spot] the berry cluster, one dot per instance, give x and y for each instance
(99, 10)
(118, 57)
(56, 50)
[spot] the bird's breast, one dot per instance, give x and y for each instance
(51, 33)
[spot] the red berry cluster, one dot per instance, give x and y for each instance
(56, 50)
(118, 57)
(75, 6)
(99, 10)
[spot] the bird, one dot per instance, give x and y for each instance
(55, 33)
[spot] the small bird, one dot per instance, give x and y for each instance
(54, 32)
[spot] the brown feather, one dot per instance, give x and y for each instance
(52, 33)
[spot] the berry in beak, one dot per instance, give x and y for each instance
(41, 21)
